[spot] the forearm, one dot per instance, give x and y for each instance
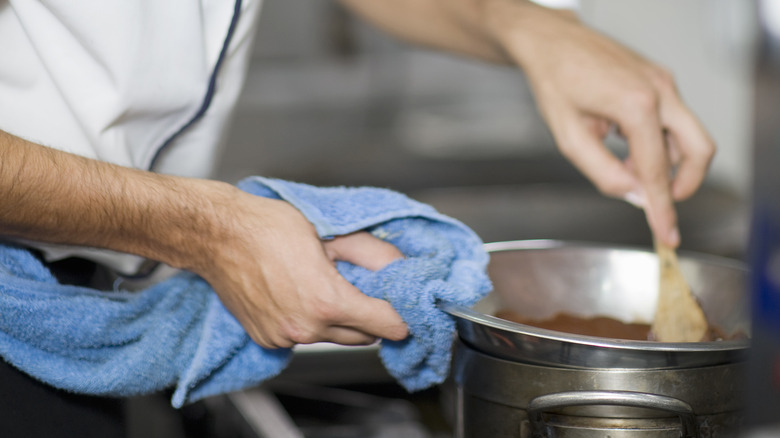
(474, 28)
(458, 26)
(56, 197)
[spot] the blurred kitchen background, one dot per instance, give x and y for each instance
(330, 100)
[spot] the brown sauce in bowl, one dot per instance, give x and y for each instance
(602, 327)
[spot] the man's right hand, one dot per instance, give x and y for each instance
(279, 280)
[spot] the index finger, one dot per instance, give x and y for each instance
(643, 130)
(372, 316)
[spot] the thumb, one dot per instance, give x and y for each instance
(362, 249)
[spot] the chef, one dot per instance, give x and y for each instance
(112, 114)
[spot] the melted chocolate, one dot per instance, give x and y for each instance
(601, 326)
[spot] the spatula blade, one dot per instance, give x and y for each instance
(679, 317)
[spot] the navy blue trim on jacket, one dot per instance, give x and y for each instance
(209, 91)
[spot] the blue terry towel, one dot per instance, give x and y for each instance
(177, 333)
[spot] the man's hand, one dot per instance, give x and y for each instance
(279, 279)
(584, 83)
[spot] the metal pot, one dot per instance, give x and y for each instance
(521, 381)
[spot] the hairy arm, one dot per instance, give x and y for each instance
(458, 26)
(262, 257)
(56, 197)
(583, 83)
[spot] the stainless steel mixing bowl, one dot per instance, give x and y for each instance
(540, 278)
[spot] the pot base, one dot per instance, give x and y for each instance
(500, 398)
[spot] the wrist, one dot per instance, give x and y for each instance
(522, 27)
(193, 222)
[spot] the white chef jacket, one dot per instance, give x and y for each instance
(148, 84)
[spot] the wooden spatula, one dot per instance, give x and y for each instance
(679, 317)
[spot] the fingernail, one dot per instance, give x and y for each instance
(635, 198)
(674, 236)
